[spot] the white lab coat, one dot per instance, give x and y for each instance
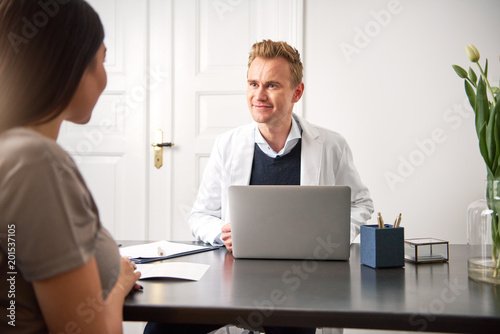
(326, 159)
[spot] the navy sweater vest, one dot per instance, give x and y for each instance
(282, 170)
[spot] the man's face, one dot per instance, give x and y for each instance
(270, 95)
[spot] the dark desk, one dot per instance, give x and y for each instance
(427, 297)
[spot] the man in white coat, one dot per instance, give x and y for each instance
(309, 154)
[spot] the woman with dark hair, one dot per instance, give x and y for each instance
(60, 269)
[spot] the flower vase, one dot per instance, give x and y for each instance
(482, 224)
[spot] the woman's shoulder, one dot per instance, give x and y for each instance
(28, 147)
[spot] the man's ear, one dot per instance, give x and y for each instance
(297, 93)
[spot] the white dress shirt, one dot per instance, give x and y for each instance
(292, 140)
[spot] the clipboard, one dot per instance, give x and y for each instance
(162, 250)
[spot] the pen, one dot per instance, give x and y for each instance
(380, 221)
(160, 251)
(398, 221)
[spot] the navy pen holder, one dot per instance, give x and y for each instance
(382, 247)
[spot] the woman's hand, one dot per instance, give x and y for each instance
(128, 277)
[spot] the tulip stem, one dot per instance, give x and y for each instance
(487, 84)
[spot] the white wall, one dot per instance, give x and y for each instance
(395, 97)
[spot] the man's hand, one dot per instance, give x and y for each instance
(226, 236)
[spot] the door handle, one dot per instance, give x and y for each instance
(158, 147)
(163, 145)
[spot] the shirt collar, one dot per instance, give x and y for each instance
(293, 137)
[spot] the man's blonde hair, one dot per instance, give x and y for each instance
(269, 49)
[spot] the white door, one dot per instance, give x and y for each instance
(212, 39)
(111, 150)
(179, 66)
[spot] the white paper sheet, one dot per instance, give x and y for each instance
(157, 249)
(182, 270)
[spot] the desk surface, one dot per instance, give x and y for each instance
(435, 297)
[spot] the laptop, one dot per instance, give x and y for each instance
(290, 222)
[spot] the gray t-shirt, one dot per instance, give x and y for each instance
(49, 224)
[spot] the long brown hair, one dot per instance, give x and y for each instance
(45, 47)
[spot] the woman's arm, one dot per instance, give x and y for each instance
(73, 300)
